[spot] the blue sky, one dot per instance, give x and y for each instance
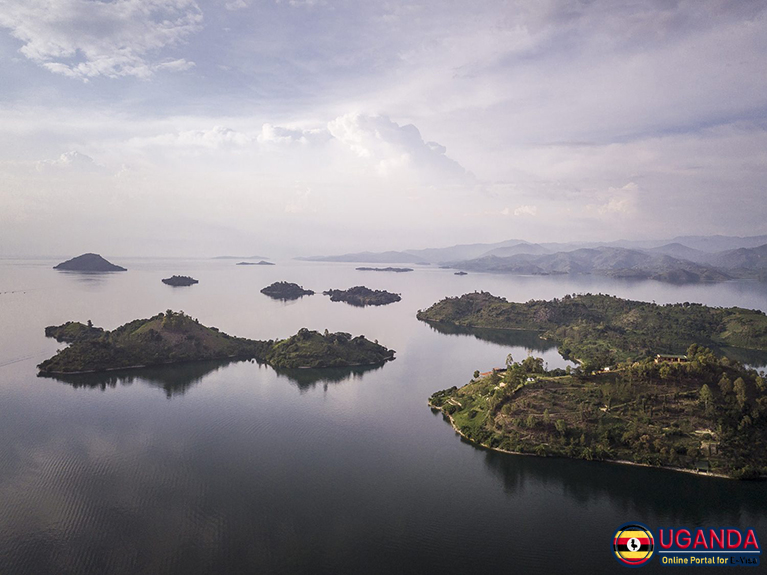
(177, 127)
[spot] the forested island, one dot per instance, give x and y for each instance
(362, 296)
(703, 413)
(627, 399)
(601, 330)
(180, 281)
(174, 337)
(285, 291)
(89, 263)
(388, 269)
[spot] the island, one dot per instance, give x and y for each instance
(362, 296)
(88, 263)
(174, 337)
(261, 263)
(698, 413)
(600, 330)
(646, 389)
(285, 291)
(461, 273)
(311, 349)
(389, 269)
(179, 281)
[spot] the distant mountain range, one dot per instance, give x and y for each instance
(682, 259)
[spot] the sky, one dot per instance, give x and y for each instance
(306, 127)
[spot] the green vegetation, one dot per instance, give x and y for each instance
(362, 296)
(313, 349)
(602, 330)
(709, 413)
(173, 337)
(285, 291)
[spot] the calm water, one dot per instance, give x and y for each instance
(235, 468)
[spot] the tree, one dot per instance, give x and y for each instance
(706, 397)
(740, 392)
(725, 384)
(561, 427)
(546, 417)
(509, 360)
(476, 373)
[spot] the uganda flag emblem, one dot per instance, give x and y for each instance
(633, 544)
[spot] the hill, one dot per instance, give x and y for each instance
(88, 263)
(173, 337)
(601, 330)
(310, 349)
(390, 257)
(707, 414)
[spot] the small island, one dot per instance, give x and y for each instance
(174, 337)
(695, 413)
(285, 291)
(180, 281)
(261, 263)
(88, 263)
(362, 296)
(389, 269)
(311, 349)
(460, 274)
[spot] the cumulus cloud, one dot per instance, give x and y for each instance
(391, 146)
(89, 38)
(72, 161)
(280, 135)
(618, 201)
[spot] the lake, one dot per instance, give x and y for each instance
(222, 467)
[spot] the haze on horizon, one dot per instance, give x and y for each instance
(298, 127)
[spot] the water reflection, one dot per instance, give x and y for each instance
(174, 379)
(683, 498)
(306, 379)
(530, 340)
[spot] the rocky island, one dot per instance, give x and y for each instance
(362, 296)
(389, 269)
(261, 263)
(180, 281)
(173, 337)
(88, 263)
(285, 291)
(697, 413)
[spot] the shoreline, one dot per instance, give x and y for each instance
(616, 461)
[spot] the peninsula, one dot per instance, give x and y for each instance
(174, 337)
(88, 263)
(602, 330)
(362, 296)
(697, 413)
(285, 291)
(179, 281)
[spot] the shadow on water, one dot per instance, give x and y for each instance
(174, 379)
(306, 379)
(511, 338)
(681, 497)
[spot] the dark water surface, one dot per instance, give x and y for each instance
(222, 467)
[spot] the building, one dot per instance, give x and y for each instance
(662, 357)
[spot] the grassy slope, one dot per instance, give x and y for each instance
(644, 413)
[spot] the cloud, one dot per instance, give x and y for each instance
(619, 201)
(86, 38)
(280, 135)
(300, 203)
(214, 138)
(391, 147)
(72, 161)
(526, 210)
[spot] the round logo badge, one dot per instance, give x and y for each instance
(633, 544)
